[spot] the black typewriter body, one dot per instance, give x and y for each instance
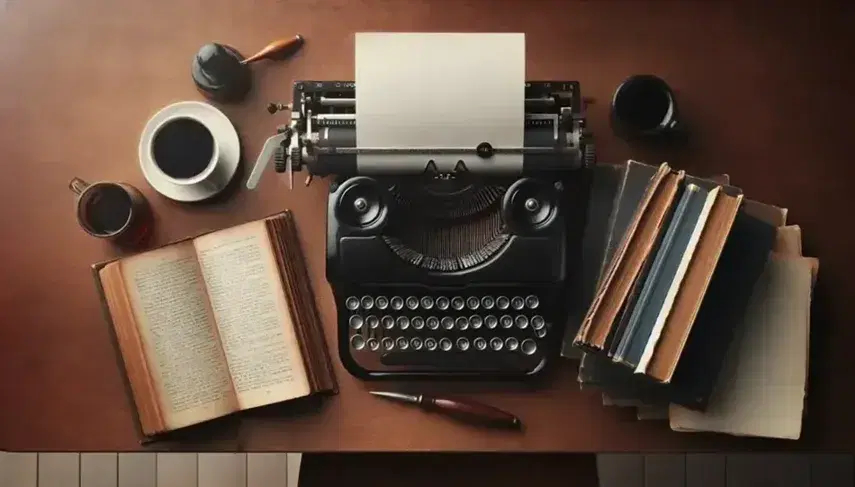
(446, 274)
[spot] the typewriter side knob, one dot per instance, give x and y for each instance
(529, 206)
(361, 203)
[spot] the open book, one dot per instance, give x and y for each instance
(216, 324)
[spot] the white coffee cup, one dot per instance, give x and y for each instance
(185, 152)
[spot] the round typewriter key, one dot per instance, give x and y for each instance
(517, 303)
(357, 342)
(382, 302)
(430, 344)
(416, 343)
(418, 322)
(521, 321)
(462, 323)
(373, 344)
(412, 303)
(356, 322)
(457, 303)
(432, 322)
(506, 321)
(528, 346)
(402, 343)
(532, 301)
(427, 302)
(496, 343)
(367, 302)
(480, 343)
(491, 321)
(462, 344)
(512, 343)
(445, 344)
(442, 303)
(397, 303)
(502, 302)
(537, 322)
(351, 303)
(447, 322)
(487, 302)
(540, 333)
(388, 322)
(372, 321)
(403, 322)
(472, 303)
(388, 343)
(476, 321)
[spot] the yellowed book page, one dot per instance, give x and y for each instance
(253, 316)
(176, 325)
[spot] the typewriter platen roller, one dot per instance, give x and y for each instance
(442, 270)
(321, 138)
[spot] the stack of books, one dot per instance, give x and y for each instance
(697, 303)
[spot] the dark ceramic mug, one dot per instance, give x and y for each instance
(644, 107)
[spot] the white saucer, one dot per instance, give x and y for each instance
(225, 136)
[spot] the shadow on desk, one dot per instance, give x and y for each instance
(447, 470)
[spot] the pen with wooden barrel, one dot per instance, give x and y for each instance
(280, 49)
(468, 411)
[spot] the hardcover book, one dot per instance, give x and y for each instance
(216, 324)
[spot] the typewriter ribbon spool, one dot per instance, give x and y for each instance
(530, 205)
(362, 203)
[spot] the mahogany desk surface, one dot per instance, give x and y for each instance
(766, 92)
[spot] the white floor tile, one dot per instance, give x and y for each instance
(18, 469)
(267, 470)
(137, 470)
(222, 470)
(99, 470)
(177, 470)
(294, 460)
(59, 470)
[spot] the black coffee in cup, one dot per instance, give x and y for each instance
(644, 106)
(105, 209)
(183, 148)
(112, 210)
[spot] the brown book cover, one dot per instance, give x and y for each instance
(694, 287)
(316, 363)
(629, 259)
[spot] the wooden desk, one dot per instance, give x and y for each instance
(764, 90)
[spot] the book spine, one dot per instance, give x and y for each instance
(631, 332)
(647, 354)
(583, 337)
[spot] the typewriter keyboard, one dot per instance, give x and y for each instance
(485, 334)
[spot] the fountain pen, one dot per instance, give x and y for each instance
(468, 411)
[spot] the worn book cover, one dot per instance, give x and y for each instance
(208, 326)
(629, 259)
(762, 387)
(698, 362)
(663, 275)
(605, 186)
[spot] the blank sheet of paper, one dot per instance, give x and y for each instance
(417, 91)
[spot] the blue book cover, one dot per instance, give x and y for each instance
(662, 277)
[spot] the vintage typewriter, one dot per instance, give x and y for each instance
(441, 270)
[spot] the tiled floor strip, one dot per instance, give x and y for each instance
(282, 470)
